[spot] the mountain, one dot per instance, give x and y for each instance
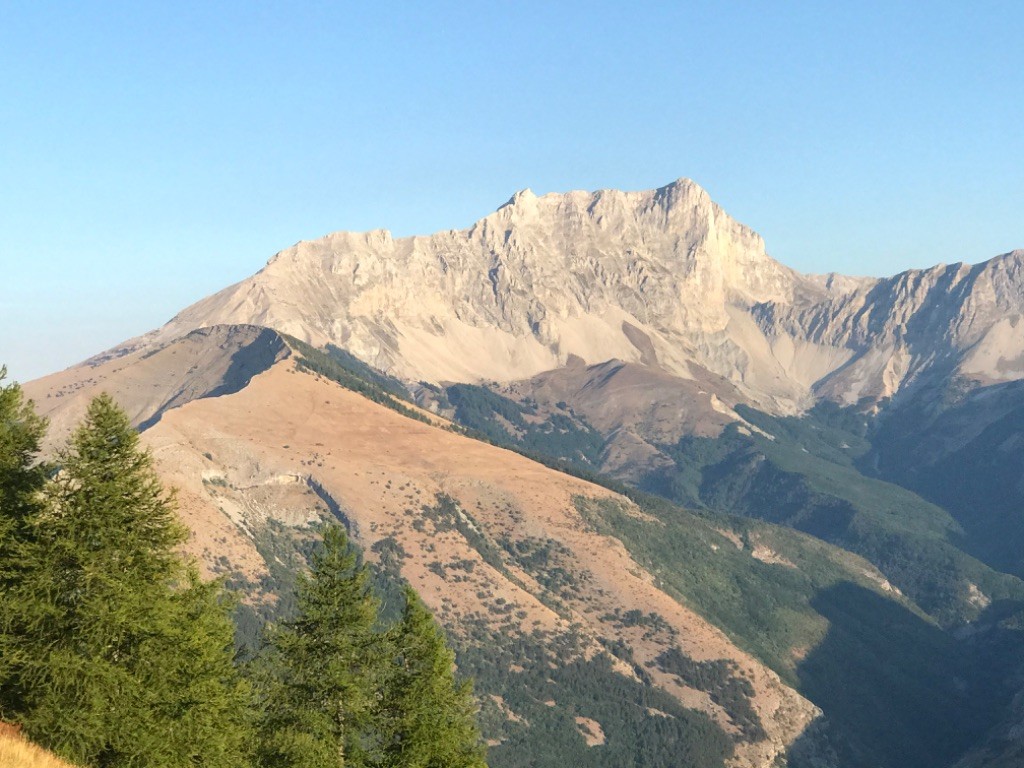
(546, 290)
(522, 290)
(841, 584)
(476, 529)
(663, 278)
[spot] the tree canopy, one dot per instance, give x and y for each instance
(344, 691)
(21, 476)
(324, 666)
(116, 653)
(429, 716)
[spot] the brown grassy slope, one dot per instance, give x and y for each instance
(206, 362)
(290, 442)
(16, 752)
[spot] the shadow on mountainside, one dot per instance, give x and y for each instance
(255, 351)
(897, 691)
(967, 458)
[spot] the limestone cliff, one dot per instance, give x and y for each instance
(663, 278)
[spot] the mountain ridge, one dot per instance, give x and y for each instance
(660, 277)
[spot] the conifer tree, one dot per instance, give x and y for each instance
(429, 718)
(121, 656)
(21, 482)
(324, 667)
(21, 477)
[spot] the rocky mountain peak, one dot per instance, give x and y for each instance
(664, 278)
(524, 197)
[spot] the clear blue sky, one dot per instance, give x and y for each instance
(153, 153)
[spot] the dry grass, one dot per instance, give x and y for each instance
(15, 752)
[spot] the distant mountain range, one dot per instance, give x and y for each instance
(675, 502)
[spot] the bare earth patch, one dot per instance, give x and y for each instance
(591, 731)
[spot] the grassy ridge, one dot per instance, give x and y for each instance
(644, 727)
(805, 478)
(342, 368)
(899, 691)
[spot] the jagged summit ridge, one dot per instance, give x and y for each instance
(662, 277)
(960, 319)
(520, 290)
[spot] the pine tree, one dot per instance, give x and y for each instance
(21, 477)
(323, 667)
(121, 655)
(21, 482)
(429, 718)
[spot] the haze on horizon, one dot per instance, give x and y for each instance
(152, 155)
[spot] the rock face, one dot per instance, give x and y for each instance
(663, 278)
(646, 277)
(949, 320)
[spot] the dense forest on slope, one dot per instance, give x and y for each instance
(344, 369)
(886, 676)
(501, 420)
(805, 477)
(961, 448)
